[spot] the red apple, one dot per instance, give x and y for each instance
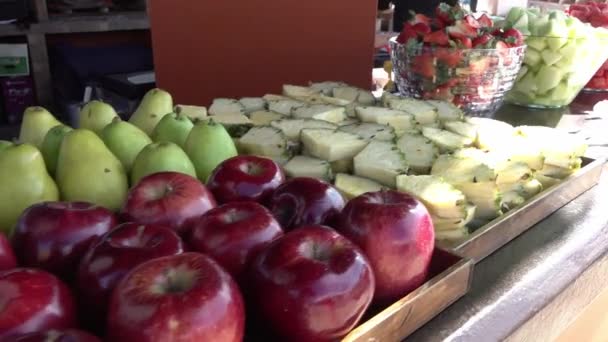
(232, 233)
(55, 235)
(70, 335)
(185, 297)
(114, 255)
(302, 201)
(170, 199)
(7, 257)
(395, 231)
(243, 178)
(312, 284)
(33, 300)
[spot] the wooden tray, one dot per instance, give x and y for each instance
(450, 279)
(497, 233)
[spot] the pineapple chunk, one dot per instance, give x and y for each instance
(353, 186)
(441, 198)
(526, 189)
(342, 166)
(253, 104)
(285, 107)
(485, 196)
(424, 113)
(293, 127)
(446, 111)
(462, 128)
(370, 131)
(295, 91)
(331, 145)
(192, 112)
(560, 172)
(462, 170)
(446, 141)
(510, 200)
(266, 141)
(326, 88)
(303, 166)
(274, 97)
(513, 172)
(381, 161)
(450, 224)
(349, 121)
(401, 121)
(236, 124)
(492, 134)
(553, 142)
(520, 149)
(354, 94)
(320, 112)
(420, 153)
(547, 181)
(226, 106)
(387, 96)
(264, 117)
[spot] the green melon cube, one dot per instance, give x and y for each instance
(548, 77)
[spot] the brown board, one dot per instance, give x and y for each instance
(209, 49)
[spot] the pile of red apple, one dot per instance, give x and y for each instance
(596, 14)
(184, 261)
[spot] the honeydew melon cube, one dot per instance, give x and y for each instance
(522, 23)
(527, 84)
(548, 77)
(533, 11)
(550, 57)
(536, 43)
(539, 27)
(568, 51)
(515, 14)
(556, 42)
(532, 57)
(522, 72)
(561, 93)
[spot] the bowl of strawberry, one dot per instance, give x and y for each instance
(457, 57)
(596, 14)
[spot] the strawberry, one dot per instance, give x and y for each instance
(597, 83)
(439, 38)
(513, 37)
(461, 29)
(464, 42)
(407, 33)
(582, 15)
(450, 57)
(471, 21)
(424, 65)
(482, 40)
(479, 66)
(421, 18)
(485, 21)
(421, 29)
(442, 12)
(503, 50)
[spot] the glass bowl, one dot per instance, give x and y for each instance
(556, 69)
(599, 81)
(476, 80)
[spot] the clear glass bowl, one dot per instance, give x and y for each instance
(599, 81)
(556, 69)
(476, 80)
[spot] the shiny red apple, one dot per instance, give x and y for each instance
(33, 300)
(70, 335)
(170, 199)
(113, 256)
(302, 201)
(395, 231)
(7, 256)
(232, 233)
(55, 235)
(244, 178)
(312, 284)
(185, 297)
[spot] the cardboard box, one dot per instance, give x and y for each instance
(14, 60)
(18, 94)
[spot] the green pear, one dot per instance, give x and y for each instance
(5, 144)
(125, 141)
(208, 145)
(159, 157)
(88, 171)
(24, 181)
(155, 104)
(96, 115)
(36, 122)
(173, 128)
(51, 144)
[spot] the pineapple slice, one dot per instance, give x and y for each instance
(293, 127)
(342, 166)
(462, 128)
(320, 112)
(354, 94)
(326, 88)
(547, 181)
(441, 198)
(485, 196)
(462, 170)
(446, 111)
(424, 113)
(510, 200)
(561, 172)
(526, 189)
(492, 134)
(226, 106)
(192, 112)
(353, 186)
(303, 166)
(331, 145)
(446, 141)
(349, 121)
(381, 161)
(450, 224)
(513, 172)
(253, 104)
(420, 153)
(266, 141)
(285, 107)
(452, 234)
(236, 124)
(370, 131)
(298, 92)
(400, 121)
(264, 117)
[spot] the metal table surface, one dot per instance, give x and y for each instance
(512, 286)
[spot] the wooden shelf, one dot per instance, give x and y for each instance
(97, 22)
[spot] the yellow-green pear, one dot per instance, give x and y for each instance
(88, 171)
(36, 122)
(24, 181)
(51, 144)
(96, 115)
(159, 157)
(208, 145)
(125, 141)
(173, 128)
(153, 107)
(4, 144)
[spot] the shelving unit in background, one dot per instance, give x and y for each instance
(47, 24)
